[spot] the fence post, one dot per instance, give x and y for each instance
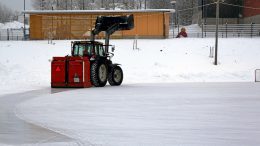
(205, 31)
(252, 29)
(8, 34)
(202, 29)
(226, 29)
(12, 34)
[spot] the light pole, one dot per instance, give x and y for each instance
(145, 4)
(173, 16)
(216, 42)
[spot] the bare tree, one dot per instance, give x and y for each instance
(88, 4)
(6, 14)
(184, 11)
(159, 4)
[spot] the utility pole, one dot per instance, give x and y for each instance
(145, 4)
(216, 42)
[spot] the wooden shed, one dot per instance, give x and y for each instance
(76, 24)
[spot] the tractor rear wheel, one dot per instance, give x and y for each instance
(98, 74)
(115, 76)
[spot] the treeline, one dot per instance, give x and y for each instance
(100, 4)
(6, 14)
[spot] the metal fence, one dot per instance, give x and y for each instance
(201, 31)
(14, 34)
(225, 31)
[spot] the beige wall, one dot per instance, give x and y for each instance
(73, 26)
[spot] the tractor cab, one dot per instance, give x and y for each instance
(87, 49)
(90, 49)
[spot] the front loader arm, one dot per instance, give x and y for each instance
(111, 24)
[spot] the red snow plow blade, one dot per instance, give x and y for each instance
(70, 72)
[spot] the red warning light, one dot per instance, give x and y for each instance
(57, 68)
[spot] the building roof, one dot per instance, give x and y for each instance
(96, 11)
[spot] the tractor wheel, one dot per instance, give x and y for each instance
(98, 74)
(115, 76)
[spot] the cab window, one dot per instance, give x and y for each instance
(89, 50)
(78, 50)
(101, 51)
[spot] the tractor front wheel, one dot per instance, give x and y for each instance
(98, 74)
(115, 76)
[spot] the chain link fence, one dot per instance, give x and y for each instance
(225, 31)
(193, 31)
(14, 34)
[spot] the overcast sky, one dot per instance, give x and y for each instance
(17, 4)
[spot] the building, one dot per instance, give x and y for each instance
(251, 15)
(76, 24)
(231, 12)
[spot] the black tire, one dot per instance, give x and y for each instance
(98, 74)
(115, 76)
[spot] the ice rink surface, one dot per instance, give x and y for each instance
(226, 114)
(15, 131)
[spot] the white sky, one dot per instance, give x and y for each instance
(17, 4)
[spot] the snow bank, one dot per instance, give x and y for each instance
(12, 25)
(26, 65)
(1, 25)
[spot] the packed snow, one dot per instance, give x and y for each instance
(25, 65)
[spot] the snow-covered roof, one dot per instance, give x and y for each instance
(96, 11)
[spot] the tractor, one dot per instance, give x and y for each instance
(90, 61)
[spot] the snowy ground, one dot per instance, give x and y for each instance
(26, 65)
